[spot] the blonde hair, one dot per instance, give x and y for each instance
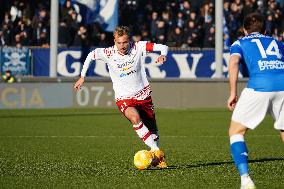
(121, 30)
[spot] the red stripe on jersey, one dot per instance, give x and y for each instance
(139, 127)
(94, 56)
(146, 136)
(149, 46)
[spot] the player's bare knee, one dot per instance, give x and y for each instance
(135, 119)
(236, 128)
(132, 115)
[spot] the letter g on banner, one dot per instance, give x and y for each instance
(62, 63)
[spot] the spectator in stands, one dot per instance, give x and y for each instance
(6, 35)
(40, 34)
(239, 4)
(260, 7)
(7, 20)
(274, 10)
(103, 41)
(209, 39)
(64, 37)
(67, 9)
(129, 11)
(154, 25)
(269, 27)
(207, 13)
(235, 20)
(42, 18)
(192, 17)
(180, 20)
(175, 37)
(168, 20)
(17, 41)
(8, 77)
(73, 25)
(250, 6)
(191, 34)
(161, 31)
(226, 6)
(82, 39)
(23, 31)
(40, 25)
(15, 11)
(185, 8)
(95, 34)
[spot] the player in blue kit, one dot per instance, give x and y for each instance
(264, 93)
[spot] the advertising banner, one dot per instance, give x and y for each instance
(35, 95)
(179, 64)
(99, 94)
(17, 60)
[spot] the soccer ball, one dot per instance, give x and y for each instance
(143, 159)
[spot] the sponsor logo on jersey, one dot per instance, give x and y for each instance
(128, 73)
(125, 64)
(270, 65)
(127, 68)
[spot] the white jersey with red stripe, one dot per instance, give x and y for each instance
(126, 70)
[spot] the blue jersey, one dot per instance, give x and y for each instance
(264, 57)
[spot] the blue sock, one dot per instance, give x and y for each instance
(239, 153)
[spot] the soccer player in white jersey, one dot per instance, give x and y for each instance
(264, 57)
(130, 84)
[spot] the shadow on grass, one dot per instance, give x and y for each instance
(217, 163)
(61, 115)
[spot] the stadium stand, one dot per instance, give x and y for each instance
(178, 23)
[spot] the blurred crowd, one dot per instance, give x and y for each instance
(177, 23)
(189, 23)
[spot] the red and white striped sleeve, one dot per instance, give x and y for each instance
(157, 47)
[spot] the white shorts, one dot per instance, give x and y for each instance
(252, 107)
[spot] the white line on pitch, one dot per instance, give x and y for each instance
(112, 136)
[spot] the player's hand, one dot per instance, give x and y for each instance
(232, 101)
(79, 84)
(161, 59)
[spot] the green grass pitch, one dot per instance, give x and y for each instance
(94, 148)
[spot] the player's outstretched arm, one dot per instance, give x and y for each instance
(158, 47)
(81, 80)
(79, 83)
(233, 78)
